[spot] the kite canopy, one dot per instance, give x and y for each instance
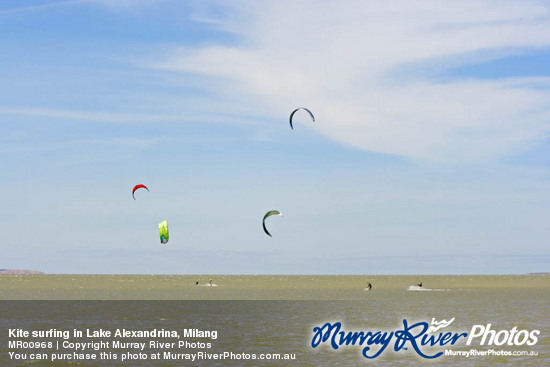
(140, 186)
(163, 231)
(269, 214)
(300, 108)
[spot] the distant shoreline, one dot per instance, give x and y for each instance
(19, 271)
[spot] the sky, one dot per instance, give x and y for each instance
(430, 153)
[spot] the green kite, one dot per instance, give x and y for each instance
(269, 214)
(163, 231)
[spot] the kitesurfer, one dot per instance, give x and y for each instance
(420, 284)
(369, 287)
(210, 281)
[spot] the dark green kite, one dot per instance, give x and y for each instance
(269, 214)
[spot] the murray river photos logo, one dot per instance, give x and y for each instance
(419, 337)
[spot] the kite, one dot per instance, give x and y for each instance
(138, 187)
(163, 231)
(299, 108)
(267, 215)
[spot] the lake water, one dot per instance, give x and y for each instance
(273, 314)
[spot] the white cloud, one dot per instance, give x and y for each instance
(346, 61)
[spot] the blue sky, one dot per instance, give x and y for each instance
(429, 154)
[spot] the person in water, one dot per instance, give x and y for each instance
(196, 283)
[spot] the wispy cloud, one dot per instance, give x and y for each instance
(51, 5)
(17, 146)
(124, 141)
(112, 5)
(121, 117)
(346, 62)
(87, 115)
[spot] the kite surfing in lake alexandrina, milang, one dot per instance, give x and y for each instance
(163, 231)
(140, 186)
(269, 214)
(296, 110)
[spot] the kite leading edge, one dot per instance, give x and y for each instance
(299, 108)
(138, 187)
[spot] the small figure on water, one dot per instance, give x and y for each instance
(196, 283)
(210, 281)
(420, 284)
(369, 287)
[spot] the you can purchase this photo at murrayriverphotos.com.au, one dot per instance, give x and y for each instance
(274, 183)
